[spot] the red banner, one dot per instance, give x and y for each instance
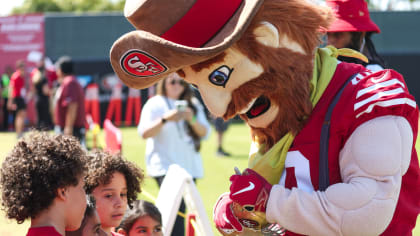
(21, 37)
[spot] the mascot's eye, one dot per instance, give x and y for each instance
(249, 208)
(220, 76)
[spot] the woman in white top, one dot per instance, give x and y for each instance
(173, 122)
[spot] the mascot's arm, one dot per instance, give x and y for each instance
(372, 164)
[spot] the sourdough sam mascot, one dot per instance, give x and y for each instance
(333, 143)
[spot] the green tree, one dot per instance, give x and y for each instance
(37, 6)
(32, 6)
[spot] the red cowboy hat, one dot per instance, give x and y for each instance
(172, 34)
(351, 16)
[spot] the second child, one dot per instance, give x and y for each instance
(115, 183)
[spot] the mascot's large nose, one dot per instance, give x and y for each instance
(216, 100)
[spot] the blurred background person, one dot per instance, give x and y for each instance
(4, 85)
(173, 122)
(353, 29)
(42, 91)
(143, 219)
(221, 126)
(16, 101)
(45, 65)
(69, 100)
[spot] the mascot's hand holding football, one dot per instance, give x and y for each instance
(250, 190)
(226, 222)
(246, 203)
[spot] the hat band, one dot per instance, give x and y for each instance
(202, 22)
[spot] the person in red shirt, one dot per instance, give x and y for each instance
(42, 180)
(69, 110)
(353, 28)
(16, 101)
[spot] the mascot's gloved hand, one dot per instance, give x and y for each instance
(226, 222)
(250, 190)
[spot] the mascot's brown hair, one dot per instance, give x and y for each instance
(286, 72)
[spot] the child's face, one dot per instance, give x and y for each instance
(75, 205)
(93, 226)
(111, 201)
(146, 226)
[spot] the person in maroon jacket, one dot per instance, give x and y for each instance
(69, 110)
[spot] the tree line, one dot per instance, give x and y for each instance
(37, 6)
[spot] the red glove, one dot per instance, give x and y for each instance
(250, 190)
(223, 216)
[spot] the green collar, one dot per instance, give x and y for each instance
(271, 164)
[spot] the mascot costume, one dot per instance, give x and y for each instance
(333, 148)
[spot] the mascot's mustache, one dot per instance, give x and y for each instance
(243, 95)
(284, 75)
(287, 90)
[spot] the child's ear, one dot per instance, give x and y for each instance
(121, 231)
(62, 193)
(267, 34)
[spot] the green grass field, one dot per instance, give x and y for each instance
(217, 170)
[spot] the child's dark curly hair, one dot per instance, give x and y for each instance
(102, 165)
(37, 166)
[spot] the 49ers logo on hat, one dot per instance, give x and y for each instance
(141, 64)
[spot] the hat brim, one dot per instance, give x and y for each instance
(166, 56)
(355, 25)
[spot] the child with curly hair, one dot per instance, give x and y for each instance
(42, 180)
(115, 183)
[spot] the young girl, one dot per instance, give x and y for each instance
(144, 219)
(114, 182)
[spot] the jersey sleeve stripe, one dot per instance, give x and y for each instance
(388, 103)
(377, 96)
(360, 76)
(379, 85)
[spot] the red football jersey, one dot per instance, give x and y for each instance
(43, 231)
(17, 83)
(369, 95)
